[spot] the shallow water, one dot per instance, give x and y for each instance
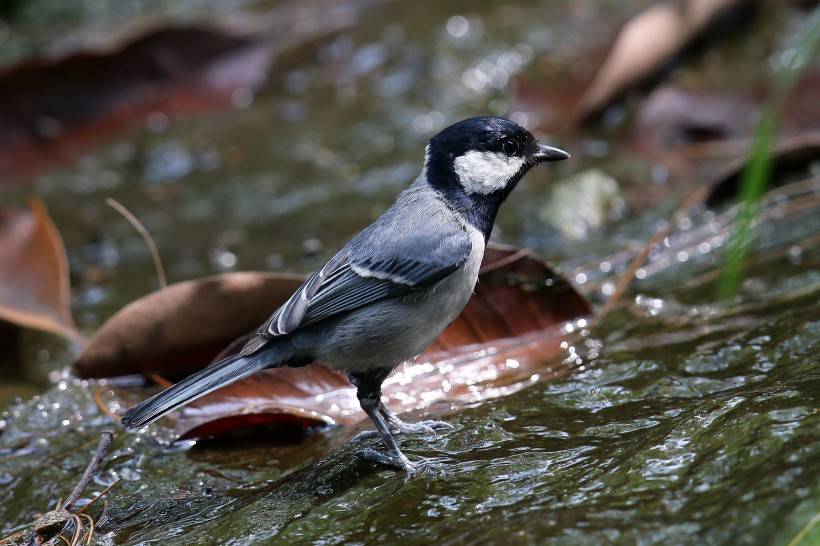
(696, 424)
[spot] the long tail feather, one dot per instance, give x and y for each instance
(217, 375)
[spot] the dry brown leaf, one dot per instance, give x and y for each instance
(509, 329)
(672, 117)
(649, 42)
(791, 160)
(55, 109)
(58, 108)
(687, 129)
(34, 282)
(179, 329)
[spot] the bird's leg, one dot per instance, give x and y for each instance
(394, 457)
(368, 390)
(397, 426)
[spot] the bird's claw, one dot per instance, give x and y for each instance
(365, 435)
(400, 427)
(421, 427)
(394, 461)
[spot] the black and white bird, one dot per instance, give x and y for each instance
(387, 295)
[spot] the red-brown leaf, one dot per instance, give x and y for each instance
(34, 283)
(177, 330)
(81, 99)
(791, 160)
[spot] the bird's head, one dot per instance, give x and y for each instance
(477, 162)
(485, 155)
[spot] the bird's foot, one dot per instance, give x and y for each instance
(399, 461)
(397, 426)
(365, 435)
(419, 427)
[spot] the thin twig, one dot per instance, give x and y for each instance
(90, 527)
(637, 262)
(78, 530)
(102, 449)
(103, 514)
(159, 380)
(506, 260)
(102, 406)
(101, 494)
(149, 241)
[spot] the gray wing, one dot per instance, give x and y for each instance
(369, 269)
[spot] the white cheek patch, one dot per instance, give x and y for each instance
(486, 172)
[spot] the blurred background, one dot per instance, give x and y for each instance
(260, 135)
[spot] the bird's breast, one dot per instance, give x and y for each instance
(473, 264)
(453, 293)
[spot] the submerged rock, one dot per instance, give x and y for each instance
(584, 203)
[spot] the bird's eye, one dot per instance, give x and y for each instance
(510, 147)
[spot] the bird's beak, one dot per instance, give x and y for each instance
(548, 153)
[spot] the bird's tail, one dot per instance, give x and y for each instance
(217, 375)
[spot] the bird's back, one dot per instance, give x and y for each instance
(418, 217)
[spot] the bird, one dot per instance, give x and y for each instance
(393, 288)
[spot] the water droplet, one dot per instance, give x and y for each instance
(458, 26)
(223, 259)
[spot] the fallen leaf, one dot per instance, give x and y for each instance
(672, 117)
(650, 43)
(791, 160)
(34, 282)
(509, 329)
(687, 130)
(54, 110)
(801, 110)
(177, 330)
